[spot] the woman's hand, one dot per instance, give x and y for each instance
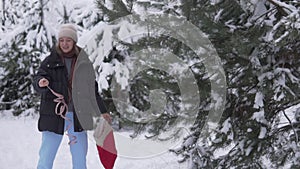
(107, 117)
(43, 82)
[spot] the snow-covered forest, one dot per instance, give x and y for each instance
(225, 71)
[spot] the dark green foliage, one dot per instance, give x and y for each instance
(16, 86)
(254, 67)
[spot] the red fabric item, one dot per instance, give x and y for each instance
(108, 153)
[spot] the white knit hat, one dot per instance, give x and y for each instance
(68, 30)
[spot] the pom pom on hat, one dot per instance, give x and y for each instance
(68, 30)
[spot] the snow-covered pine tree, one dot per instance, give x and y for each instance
(28, 32)
(259, 57)
(140, 87)
(19, 52)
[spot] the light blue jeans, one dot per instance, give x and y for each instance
(51, 142)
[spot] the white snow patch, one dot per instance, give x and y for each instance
(19, 148)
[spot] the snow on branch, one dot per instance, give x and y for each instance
(283, 7)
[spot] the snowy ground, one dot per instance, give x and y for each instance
(20, 141)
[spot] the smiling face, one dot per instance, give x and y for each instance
(66, 44)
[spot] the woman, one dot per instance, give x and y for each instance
(69, 99)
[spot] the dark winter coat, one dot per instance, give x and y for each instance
(86, 98)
